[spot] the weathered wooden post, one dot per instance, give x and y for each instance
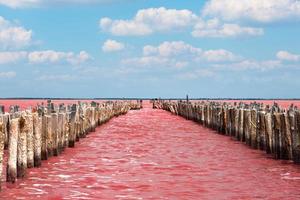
(236, 123)
(60, 132)
(262, 131)
(5, 124)
(296, 138)
(269, 133)
(223, 119)
(54, 130)
(2, 140)
(66, 130)
(77, 129)
(11, 172)
(93, 120)
(277, 135)
(30, 140)
(22, 147)
(62, 120)
(241, 125)
(287, 137)
(253, 132)
(247, 130)
(72, 133)
(37, 132)
(44, 133)
(49, 135)
(227, 120)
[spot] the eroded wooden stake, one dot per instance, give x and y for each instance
(37, 132)
(44, 133)
(49, 136)
(11, 172)
(22, 147)
(30, 141)
(2, 141)
(54, 130)
(296, 139)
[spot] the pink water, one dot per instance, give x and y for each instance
(25, 103)
(34, 102)
(151, 154)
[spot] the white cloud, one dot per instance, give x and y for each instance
(12, 57)
(167, 49)
(178, 55)
(165, 19)
(38, 3)
(219, 55)
(214, 28)
(257, 10)
(20, 3)
(82, 57)
(44, 57)
(250, 65)
(13, 36)
(50, 56)
(180, 49)
(153, 20)
(147, 21)
(285, 55)
(10, 74)
(112, 45)
(124, 27)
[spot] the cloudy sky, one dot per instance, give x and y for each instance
(143, 48)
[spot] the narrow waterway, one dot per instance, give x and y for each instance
(151, 154)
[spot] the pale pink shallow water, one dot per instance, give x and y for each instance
(25, 103)
(33, 102)
(151, 154)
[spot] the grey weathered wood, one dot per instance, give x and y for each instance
(241, 125)
(262, 131)
(236, 123)
(253, 131)
(54, 131)
(22, 147)
(30, 140)
(44, 149)
(296, 138)
(37, 132)
(269, 133)
(247, 127)
(277, 135)
(72, 126)
(2, 141)
(49, 136)
(287, 138)
(5, 120)
(60, 134)
(11, 172)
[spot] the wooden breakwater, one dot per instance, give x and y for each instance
(269, 128)
(36, 134)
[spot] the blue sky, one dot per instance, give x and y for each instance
(142, 48)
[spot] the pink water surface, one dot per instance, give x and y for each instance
(26, 103)
(152, 154)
